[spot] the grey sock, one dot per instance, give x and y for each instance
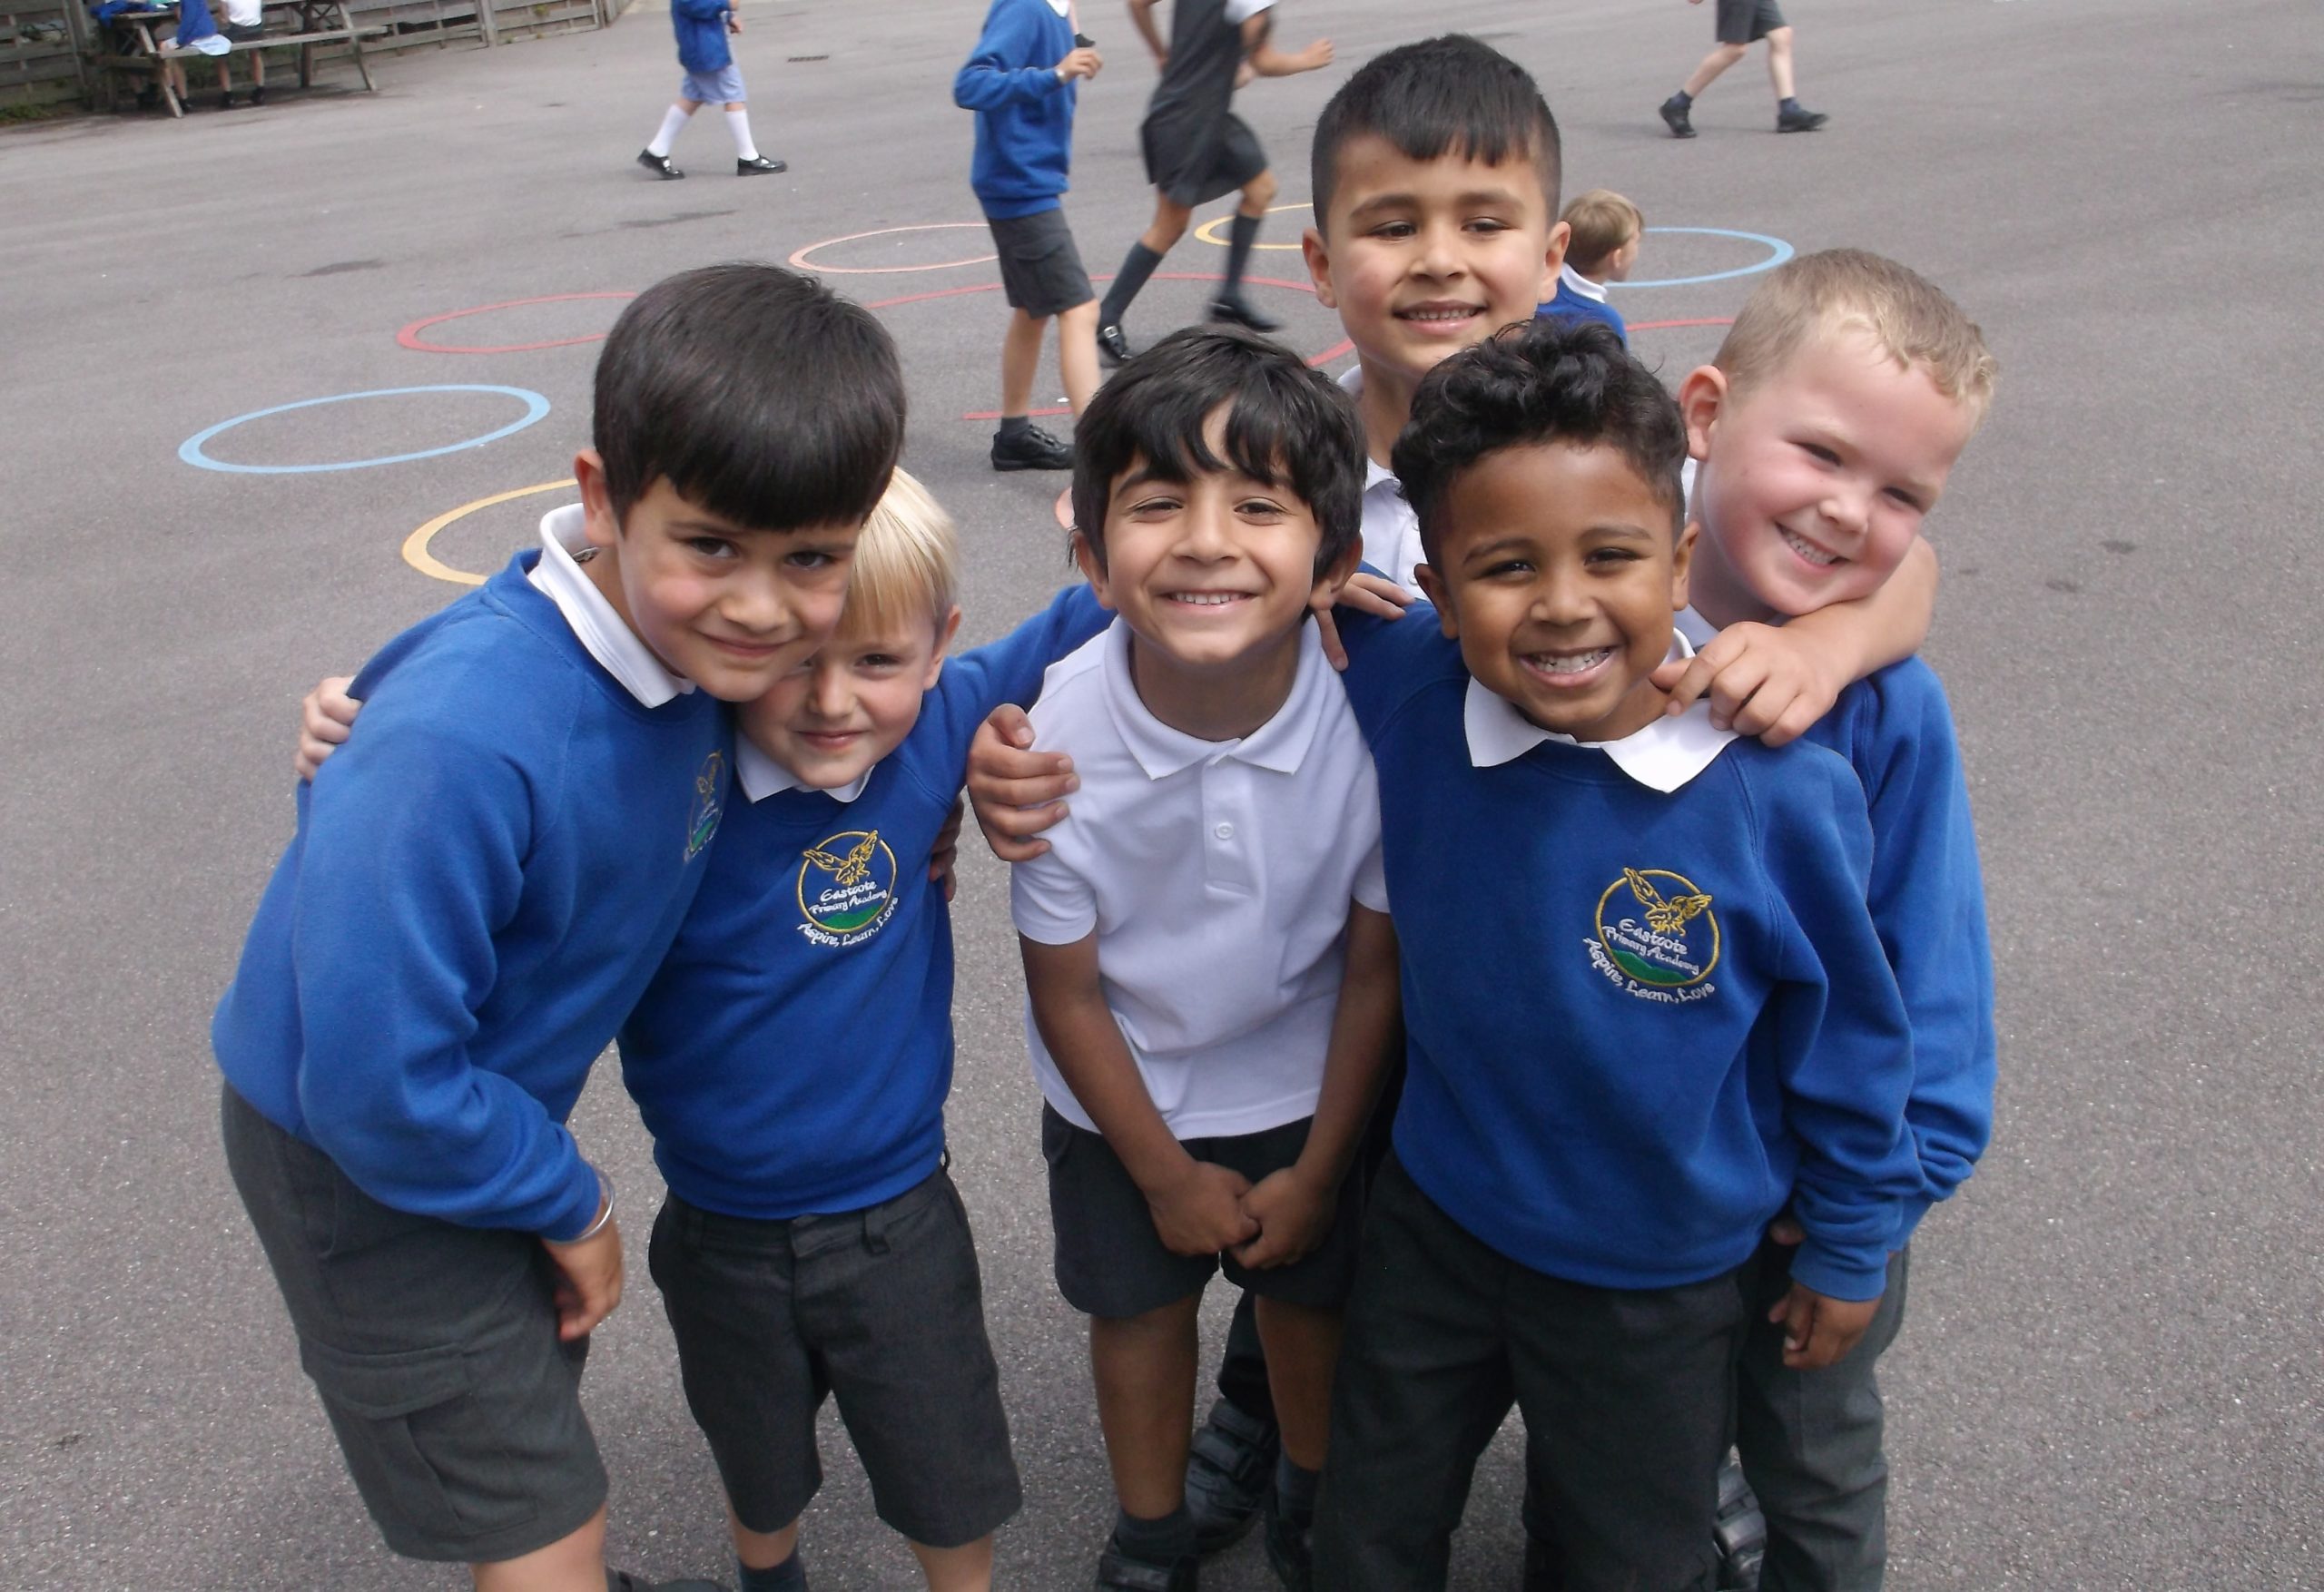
(1294, 1491)
(1137, 266)
(1157, 1542)
(789, 1576)
(1239, 238)
(1015, 426)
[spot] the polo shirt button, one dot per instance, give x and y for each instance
(1225, 831)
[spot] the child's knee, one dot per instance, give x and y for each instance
(1258, 193)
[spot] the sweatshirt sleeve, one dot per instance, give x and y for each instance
(702, 10)
(1845, 1053)
(996, 73)
(1928, 903)
(413, 858)
(1009, 670)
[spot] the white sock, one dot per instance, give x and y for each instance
(674, 121)
(738, 123)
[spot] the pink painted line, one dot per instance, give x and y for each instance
(409, 337)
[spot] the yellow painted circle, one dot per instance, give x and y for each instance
(415, 545)
(1209, 231)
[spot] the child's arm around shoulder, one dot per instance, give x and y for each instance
(1775, 681)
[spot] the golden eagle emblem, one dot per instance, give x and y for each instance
(1664, 916)
(852, 868)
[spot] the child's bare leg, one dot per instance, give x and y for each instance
(1716, 62)
(1302, 1345)
(1168, 225)
(1780, 62)
(573, 1564)
(1076, 353)
(1144, 1369)
(761, 1550)
(966, 1568)
(1020, 362)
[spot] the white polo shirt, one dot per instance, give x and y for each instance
(1217, 876)
(1390, 528)
(602, 631)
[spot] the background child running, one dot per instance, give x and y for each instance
(1741, 25)
(1603, 231)
(1020, 81)
(1210, 979)
(481, 886)
(711, 74)
(1197, 147)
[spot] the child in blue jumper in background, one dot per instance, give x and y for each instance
(711, 74)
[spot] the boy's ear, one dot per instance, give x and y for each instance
(1318, 255)
(1701, 397)
(945, 632)
(1433, 587)
(1682, 564)
(597, 517)
(1339, 571)
(1552, 258)
(1084, 558)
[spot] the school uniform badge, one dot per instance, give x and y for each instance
(1656, 936)
(709, 803)
(847, 888)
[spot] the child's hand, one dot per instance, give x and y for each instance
(325, 714)
(1016, 792)
(1365, 592)
(1762, 682)
(588, 1280)
(1082, 63)
(1245, 75)
(1294, 1213)
(734, 21)
(1819, 1331)
(1313, 58)
(1788, 1232)
(946, 851)
(1200, 1212)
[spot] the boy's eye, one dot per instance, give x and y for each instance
(711, 546)
(1150, 506)
(1506, 567)
(1613, 556)
(1260, 508)
(1817, 451)
(1393, 230)
(1899, 495)
(809, 558)
(878, 661)
(1487, 224)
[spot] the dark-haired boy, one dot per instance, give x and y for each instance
(481, 884)
(1632, 1035)
(1210, 976)
(1197, 147)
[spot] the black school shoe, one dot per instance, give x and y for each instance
(758, 164)
(1112, 346)
(1031, 449)
(623, 1581)
(1236, 312)
(1117, 1572)
(1802, 120)
(1675, 117)
(659, 165)
(1230, 1470)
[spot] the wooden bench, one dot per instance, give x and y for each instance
(137, 35)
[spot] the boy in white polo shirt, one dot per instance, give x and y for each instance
(1210, 975)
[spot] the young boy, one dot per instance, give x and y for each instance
(701, 26)
(1824, 431)
(1645, 1028)
(1210, 979)
(1603, 231)
(481, 886)
(1198, 149)
(1741, 25)
(1021, 83)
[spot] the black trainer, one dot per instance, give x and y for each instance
(1230, 1470)
(1236, 312)
(1291, 1550)
(258, 94)
(658, 164)
(1117, 1572)
(1112, 346)
(756, 164)
(1031, 449)
(225, 99)
(1799, 120)
(1675, 117)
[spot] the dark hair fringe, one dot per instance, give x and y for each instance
(759, 393)
(1449, 94)
(1538, 381)
(1287, 425)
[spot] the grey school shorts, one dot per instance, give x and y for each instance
(884, 1310)
(721, 87)
(1040, 268)
(1743, 22)
(1112, 1263)
(434, 1349)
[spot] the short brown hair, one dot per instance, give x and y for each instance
(1602, 221)
(1912, 319)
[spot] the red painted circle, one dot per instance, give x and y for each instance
(409, 337)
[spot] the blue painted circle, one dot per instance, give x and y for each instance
(189, 450)
(1777, 252)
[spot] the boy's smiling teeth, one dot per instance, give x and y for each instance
(1806, 549)
(1208, 599)
(1437, 312)
(1569, 662)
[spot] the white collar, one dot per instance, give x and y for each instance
(1375, 472)
(1061, 7)
(1663, 756)
(1570, 278)
(558, 576)
(761, 777)
(1279, 744)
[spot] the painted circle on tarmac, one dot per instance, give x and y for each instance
(800, 257)
(1208, 231)
(409, 337)
(1777, 252)
(415, 551)
(192, 450)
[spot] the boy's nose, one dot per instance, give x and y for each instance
(757, 605)
(828, 696)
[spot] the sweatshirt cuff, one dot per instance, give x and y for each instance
(1837, 1275)
(583, 1195)
(1908, 1217)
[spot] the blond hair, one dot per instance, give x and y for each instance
(907, 564)
(1908, 316)
(1601, 221)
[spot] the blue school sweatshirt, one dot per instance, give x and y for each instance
(1024, 114)
(793, 1054)
(1580, 309)
(701, 27)
(1637, 1022)
(481, 884)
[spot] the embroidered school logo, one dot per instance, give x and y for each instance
(847, 888)
(709, 803)
(1657, 938)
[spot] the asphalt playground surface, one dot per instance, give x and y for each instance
(2110, 1377)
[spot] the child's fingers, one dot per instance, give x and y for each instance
(1787, 1230)
(1010, 722)
(1328, 630)
(1685, 680)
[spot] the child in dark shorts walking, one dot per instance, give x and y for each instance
(1742, 23)
(1197, 147)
